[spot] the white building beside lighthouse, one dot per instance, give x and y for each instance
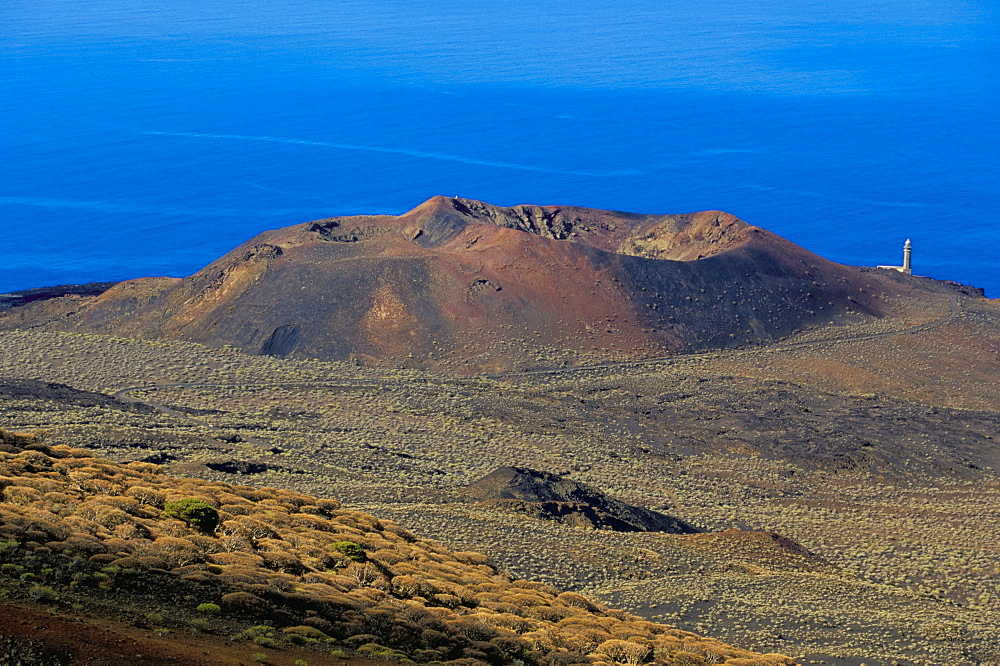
(905, 268)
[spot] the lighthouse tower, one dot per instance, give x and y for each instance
(905, 268)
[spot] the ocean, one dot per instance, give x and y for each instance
(148, 138)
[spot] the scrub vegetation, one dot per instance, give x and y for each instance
(285, 568)
(848, 489)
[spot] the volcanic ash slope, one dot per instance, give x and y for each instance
(474, 286)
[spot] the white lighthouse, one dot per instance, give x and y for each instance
(905, 268)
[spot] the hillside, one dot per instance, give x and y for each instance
(468, 286)
(872, 447)
(845, 475)
(874, 462)
(277, 567)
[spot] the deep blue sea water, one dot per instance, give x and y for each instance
(147, 138)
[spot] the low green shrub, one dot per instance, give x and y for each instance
(43, 594)
(200, 624)
(262, 635)
(305, 635)
(350, 549)
(197, 513)
(383, 652)
(209, 609)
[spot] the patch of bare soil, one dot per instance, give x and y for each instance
(36, 636)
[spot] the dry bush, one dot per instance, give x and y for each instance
(292, 499)
(235, 542)
(146, 495)
(129, 506)
(473, 628)
(342, 583)
(317, 590)
(22, 495)
(282, 562)
(244, 576)
(228, 511)
(45, 523)
(327, 506)
(41, 484)
(252, 494)
(471, 557)
(579, 601)
(311, 521)
(83, 545)
(143, 468)
(246, 527)
(236, 558)
(244, 603)
(107, 516)
(152, 562)
(508, 621)
(371, 594)
(117, 545)
(130, 530)
(392, 528)
(525, 600)
(683, 658)
(445, 599)
(228, 496)
(102, 486)
(81, 523)
(20, 439)
(314, 557)
(59, 503)
(204, 544)
(406, 586)
(367, 575)
(174, 551)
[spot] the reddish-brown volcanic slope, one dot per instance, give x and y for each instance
(76, 638)
(453, 274)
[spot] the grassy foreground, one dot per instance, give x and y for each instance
(277, 568)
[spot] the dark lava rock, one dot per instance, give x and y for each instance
(158, 458)
(33, 389)
(18, 298)
(553, 497)
(237, 467)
